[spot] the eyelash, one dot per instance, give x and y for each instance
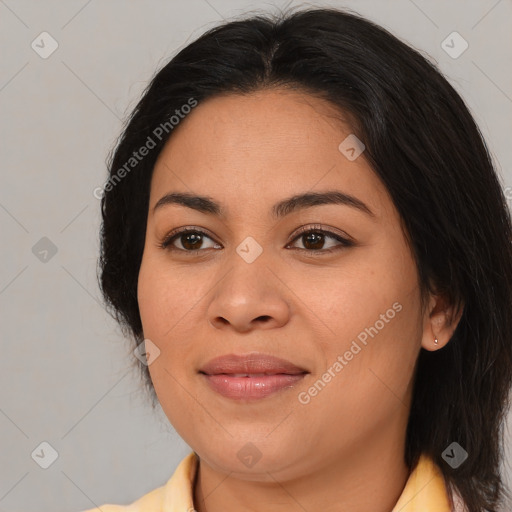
(166, 243)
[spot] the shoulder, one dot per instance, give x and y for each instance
(175, 495)
(151, 501)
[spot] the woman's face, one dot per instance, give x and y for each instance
(347, 314)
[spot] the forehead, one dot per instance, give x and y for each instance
(265, 119)
(261, 147)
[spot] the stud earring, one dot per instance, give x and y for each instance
(435, 341)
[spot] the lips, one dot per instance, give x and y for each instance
(250, 365)
(250, 377)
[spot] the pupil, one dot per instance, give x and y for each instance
(311, 239)
(196, 240)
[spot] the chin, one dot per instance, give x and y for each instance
(249, 460)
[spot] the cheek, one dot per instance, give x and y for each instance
(164, 297)
(374, 325)
(151, 296)
(163, 309)
(378, 356)
(167, 298)
(367, 378)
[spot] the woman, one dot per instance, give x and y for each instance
(305, 237)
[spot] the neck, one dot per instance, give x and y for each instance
(357, 481)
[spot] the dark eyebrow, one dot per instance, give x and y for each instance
(207, 205)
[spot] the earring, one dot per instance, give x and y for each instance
(435, 341)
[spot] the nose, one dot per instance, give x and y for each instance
(250, 296)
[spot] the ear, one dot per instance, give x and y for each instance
(439, 322)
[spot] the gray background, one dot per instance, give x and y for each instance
(67, 372)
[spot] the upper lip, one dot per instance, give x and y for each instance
(250, 363)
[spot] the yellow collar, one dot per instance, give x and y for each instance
(424, 491)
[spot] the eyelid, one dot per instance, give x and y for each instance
(338, 234)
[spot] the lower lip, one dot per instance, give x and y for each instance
(251, 388)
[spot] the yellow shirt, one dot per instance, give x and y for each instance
(424, 491)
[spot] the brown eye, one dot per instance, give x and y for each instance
(190, 240)
(314, 240)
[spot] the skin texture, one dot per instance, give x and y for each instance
(247, 153)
